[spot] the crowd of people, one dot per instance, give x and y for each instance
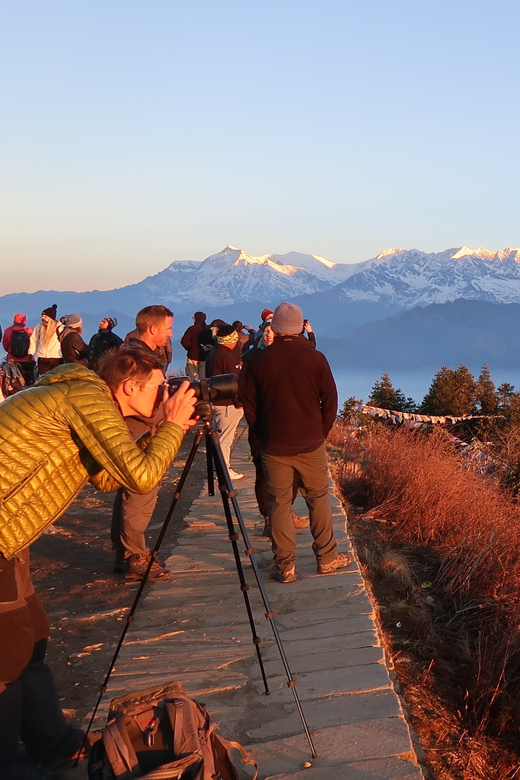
(100, 412)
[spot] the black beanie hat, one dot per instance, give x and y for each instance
(51, 311)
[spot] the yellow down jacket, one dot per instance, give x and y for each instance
(56, 436)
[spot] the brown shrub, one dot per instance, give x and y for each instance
(420, 484)
(445, 563)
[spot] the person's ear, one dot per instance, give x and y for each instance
(128, 387)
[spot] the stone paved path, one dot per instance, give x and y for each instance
(194, 629)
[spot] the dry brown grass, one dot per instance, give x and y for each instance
(441, 547)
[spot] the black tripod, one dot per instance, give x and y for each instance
(216, 464)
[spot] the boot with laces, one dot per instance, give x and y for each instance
(137, 565)
(340, 562)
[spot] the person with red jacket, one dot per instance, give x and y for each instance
(16, 343)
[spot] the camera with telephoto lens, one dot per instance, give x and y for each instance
(215, 390)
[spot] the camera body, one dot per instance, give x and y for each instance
(215, 390)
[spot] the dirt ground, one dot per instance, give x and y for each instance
(85, 601)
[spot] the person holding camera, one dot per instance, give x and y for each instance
(54, 437)
(228, 413)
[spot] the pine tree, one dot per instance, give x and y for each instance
(452, 391)
(346, 410)
(508, 402)
(486, 394)
(383, 394)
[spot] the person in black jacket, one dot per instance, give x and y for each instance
(290, 402)
(197, 341)
(73, 348)
(223, 360)
(103, 340)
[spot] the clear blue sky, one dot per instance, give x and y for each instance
(138, 132)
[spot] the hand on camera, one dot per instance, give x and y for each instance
(179, 408)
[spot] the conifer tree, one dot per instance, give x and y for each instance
(383, 393)
(486, 394)
(452, 391)
(385, 396)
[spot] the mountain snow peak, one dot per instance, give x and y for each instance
(486, 254)
(388, 252)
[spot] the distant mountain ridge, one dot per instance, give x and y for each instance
(337, 298)
(399, 279)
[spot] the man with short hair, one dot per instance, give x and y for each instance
(133, 511)
(54, 437)
(153, 329)
(290, 402)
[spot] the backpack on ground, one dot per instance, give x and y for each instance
(11, 378)
(162, 734)
(19, 343)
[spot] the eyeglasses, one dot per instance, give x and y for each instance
(149, 382)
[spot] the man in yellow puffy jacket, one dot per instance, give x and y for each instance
(54, 437)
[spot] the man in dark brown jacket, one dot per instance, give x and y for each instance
(197, 341)
(290, 402)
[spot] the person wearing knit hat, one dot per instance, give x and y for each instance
(223, 360)
(103, 341)
(51, 311)
(16, 341)
(45, 344)
(290, 403)
(73, 347)
(287, 319)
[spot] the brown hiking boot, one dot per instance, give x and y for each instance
(340, 562)
(299, 522)
(137, 565)
(283, 576)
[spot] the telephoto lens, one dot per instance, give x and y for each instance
(215, 390)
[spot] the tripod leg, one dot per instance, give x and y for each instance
(130, 616)
(228, 494)
(225, 489)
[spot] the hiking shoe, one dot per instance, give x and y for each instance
(339, 562)
(299, 522)
(234, 474)
(283, 576)
(137, 565)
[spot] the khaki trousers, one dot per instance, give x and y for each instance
(310, 469)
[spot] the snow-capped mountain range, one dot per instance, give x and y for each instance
(402, 279)
(233, 276)
(334, 296)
